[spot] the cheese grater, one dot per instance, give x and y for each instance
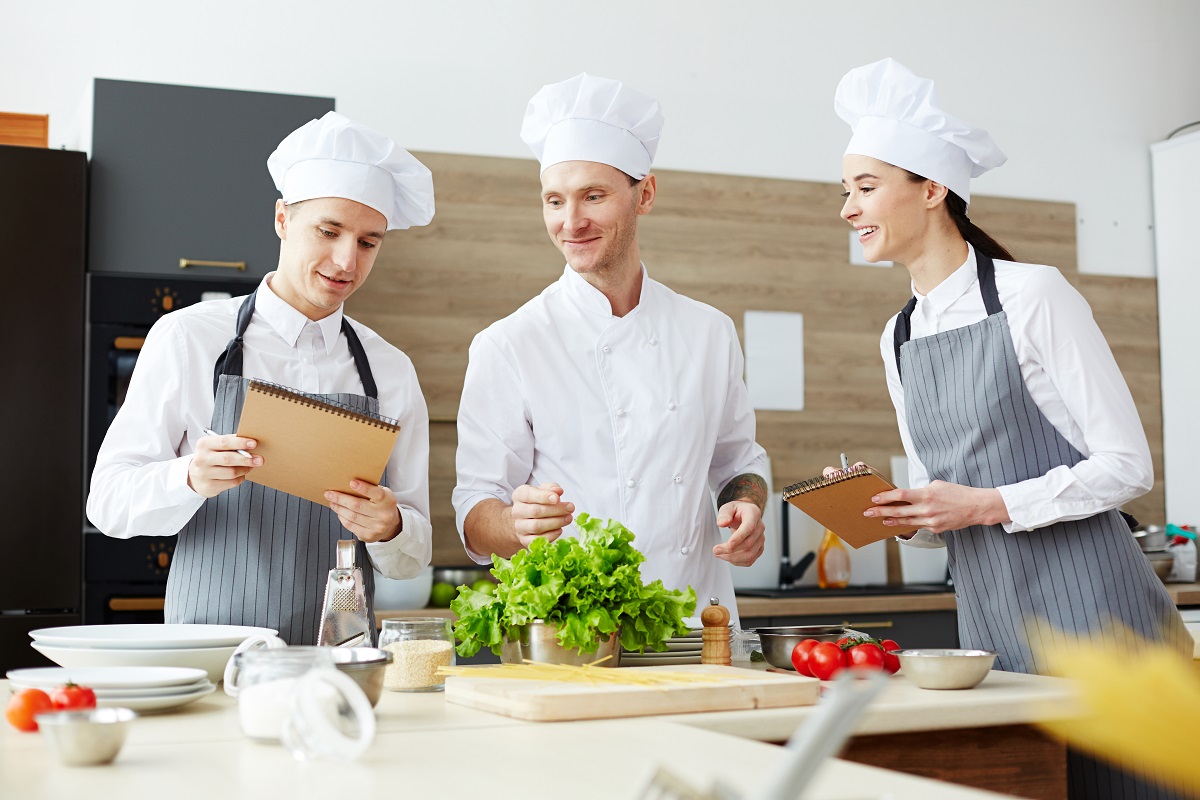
(344, 620)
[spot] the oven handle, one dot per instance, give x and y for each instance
(184, 263)
(136, 603)
(129, 342)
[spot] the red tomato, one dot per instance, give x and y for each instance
(867, 655)
(826, 660)
(800, 656)
(24, 705)
(890, 662)
(73, 697)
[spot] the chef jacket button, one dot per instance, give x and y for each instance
(631, 483)
(685, 550)
(677, 479)
(620, 412)
(671, 406)
(653, 342)
(605, 348)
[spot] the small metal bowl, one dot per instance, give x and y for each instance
(366, 665)
(1162, 562)
(1152, 538)
(778, 642)
(85, 738)
(946, 669)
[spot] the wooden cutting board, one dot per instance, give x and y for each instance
(546, 701)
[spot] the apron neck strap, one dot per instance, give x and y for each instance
(230, 361)
(985, 270)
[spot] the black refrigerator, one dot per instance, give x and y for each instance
(43, 224)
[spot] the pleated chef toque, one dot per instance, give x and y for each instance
(336, 157)
(896, 118)
(587, 118)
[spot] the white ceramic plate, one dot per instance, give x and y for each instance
(635, 660)
(108, 678)
(159, 703)
(147, 637)
(683, 647)
(210, 659)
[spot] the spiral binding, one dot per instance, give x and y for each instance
(812, 484)
(330, 406)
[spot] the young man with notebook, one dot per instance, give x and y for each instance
(249, 554)
(609, 393)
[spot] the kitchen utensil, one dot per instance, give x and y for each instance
(147, 637)
(210, 659)
(419, 646)
(366, 665)
(106, 678)
(86, 738)
(344, 620)
(537, 641)
(1151, 538)
(778, 642)
(818, 738)
(546, 700)
(945, 669)
(715, 648)
(1162, 561)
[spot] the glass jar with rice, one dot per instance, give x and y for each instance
(419, 646)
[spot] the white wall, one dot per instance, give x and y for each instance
(1074, 90)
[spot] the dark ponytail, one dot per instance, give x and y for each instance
(975, 236)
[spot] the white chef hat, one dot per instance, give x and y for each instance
(896, 118)
(336, 157)
(587, 118)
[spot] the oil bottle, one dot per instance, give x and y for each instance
(833, 562)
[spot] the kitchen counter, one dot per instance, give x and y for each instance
(426, 747)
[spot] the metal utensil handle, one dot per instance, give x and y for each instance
(822, 734)
(184, 263)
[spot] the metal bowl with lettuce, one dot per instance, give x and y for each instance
(588, 587)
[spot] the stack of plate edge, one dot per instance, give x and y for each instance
(139, 688)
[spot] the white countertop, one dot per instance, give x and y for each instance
(425, 746)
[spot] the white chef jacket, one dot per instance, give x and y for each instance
(139, 486)
(1071, 375)
(641, 419)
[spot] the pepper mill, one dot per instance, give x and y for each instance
(715, 619)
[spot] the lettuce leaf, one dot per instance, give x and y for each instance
(587, 587)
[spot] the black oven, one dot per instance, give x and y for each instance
(124, 580)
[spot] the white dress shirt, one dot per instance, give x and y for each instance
(641, 419)
(1071, 375)
(140, 486)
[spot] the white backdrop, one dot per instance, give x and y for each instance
(1074, 90)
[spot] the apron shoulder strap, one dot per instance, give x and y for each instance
(900, 333)
(230, 361)
(360, 359)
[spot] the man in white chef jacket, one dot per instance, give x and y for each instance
(609, 393)
(247, 554)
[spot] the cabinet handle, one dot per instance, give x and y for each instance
(129, 342)
(137, 603)
(184, 263)
(860, 625)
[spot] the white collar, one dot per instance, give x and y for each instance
(289, 322)
(955, 285)
(592, 299)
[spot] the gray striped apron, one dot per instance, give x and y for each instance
(253, 555)
(974, 423)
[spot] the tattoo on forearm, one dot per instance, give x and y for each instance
(748, 486)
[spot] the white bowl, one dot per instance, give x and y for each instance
(148, 637)
(210, 659)
(398, 595)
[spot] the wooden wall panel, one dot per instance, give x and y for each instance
(737, 243)
(25, 130)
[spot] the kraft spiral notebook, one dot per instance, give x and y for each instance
(838, 502)
(310, 446)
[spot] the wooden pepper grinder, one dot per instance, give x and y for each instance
(715, 649)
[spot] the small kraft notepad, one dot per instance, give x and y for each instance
(838, 502)
(311, 446)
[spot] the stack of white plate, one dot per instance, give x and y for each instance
(680, 650)
(205, 647)
(142, 689)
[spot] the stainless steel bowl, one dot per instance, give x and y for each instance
(86, 738)
(1163, 562)
(778, 642)
(1151, 538)
(946, 669)
(536, 642)
(366, 665)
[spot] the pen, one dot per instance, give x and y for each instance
(845, 463)
(211, 432)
